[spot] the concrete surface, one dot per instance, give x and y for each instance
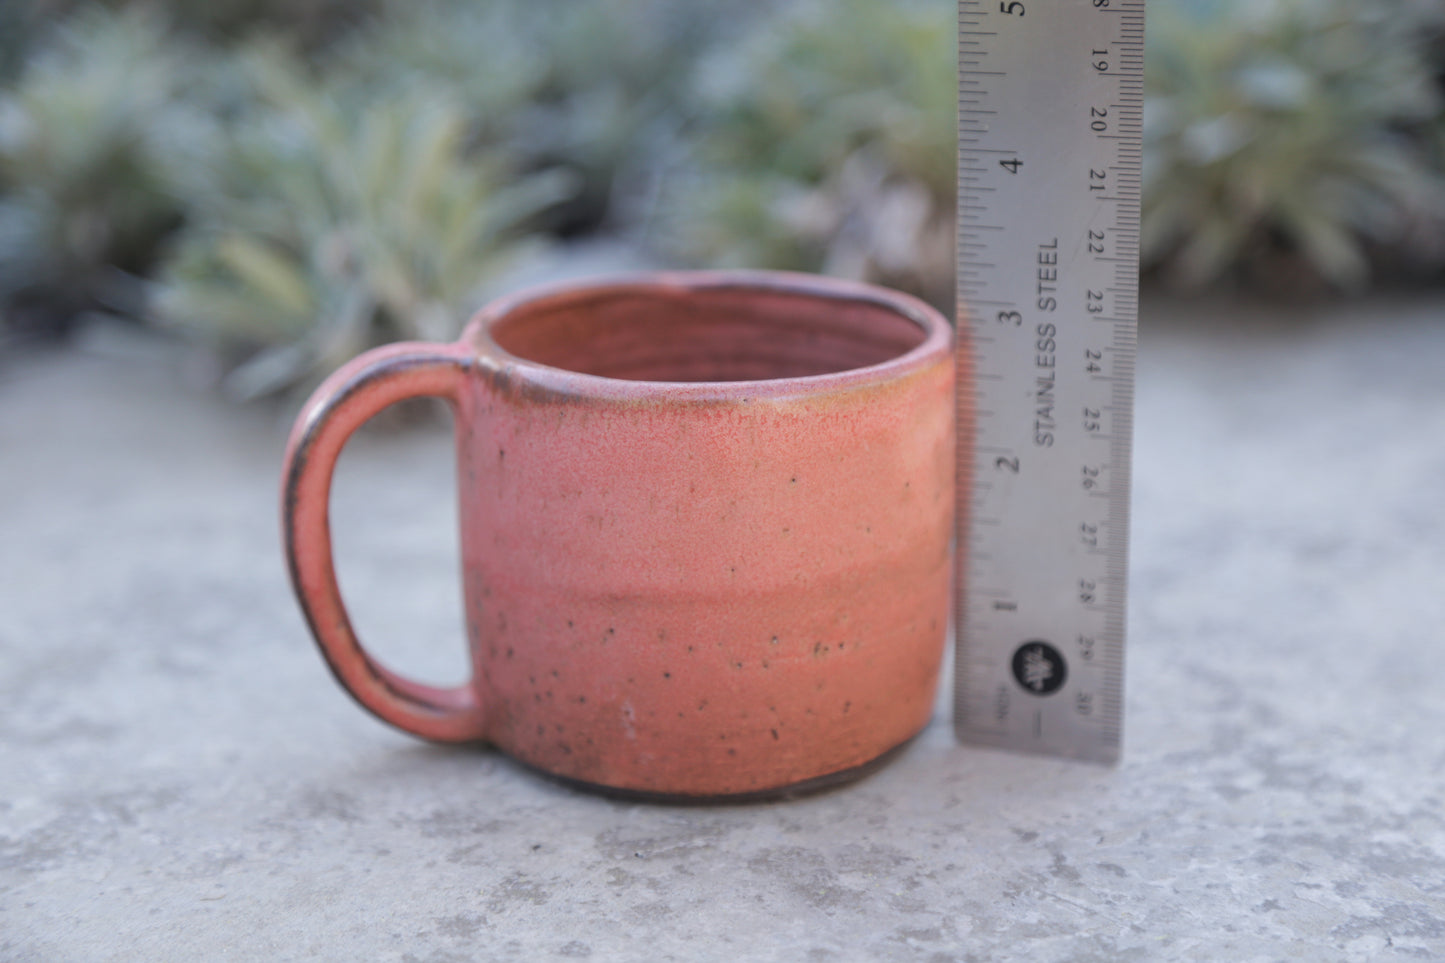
(180, 779)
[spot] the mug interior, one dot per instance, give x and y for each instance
(676, 333)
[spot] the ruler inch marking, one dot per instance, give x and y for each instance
(1050, 248)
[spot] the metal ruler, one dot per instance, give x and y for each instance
(1049, 167)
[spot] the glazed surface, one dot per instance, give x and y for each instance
(717, 595)
(723, 334)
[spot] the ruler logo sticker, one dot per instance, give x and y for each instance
(1039, 668)
(1050, 108)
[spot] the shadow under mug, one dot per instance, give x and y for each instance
(705, 528)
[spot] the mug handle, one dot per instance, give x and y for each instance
(343, 403)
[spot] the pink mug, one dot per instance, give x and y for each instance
(705, 527)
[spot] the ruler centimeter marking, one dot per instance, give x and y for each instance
(1051, 104)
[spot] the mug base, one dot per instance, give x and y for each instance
(794, 790)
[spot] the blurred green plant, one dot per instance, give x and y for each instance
(25, 24)
(1289, 140)
(470, 50)
(87, 135)
(827, 142)
(364, 195)
(20, 23)
(613, 98)
(313, 24)
(322, 229)
(597, 89)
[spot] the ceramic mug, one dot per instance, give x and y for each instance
(705, 528)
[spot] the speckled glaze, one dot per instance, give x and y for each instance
(705, 527)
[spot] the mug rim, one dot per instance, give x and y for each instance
(937, 343)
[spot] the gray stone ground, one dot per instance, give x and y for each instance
(181, 780)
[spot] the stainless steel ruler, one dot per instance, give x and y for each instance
(1049, 168)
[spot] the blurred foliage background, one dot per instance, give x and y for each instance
(287, 182)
